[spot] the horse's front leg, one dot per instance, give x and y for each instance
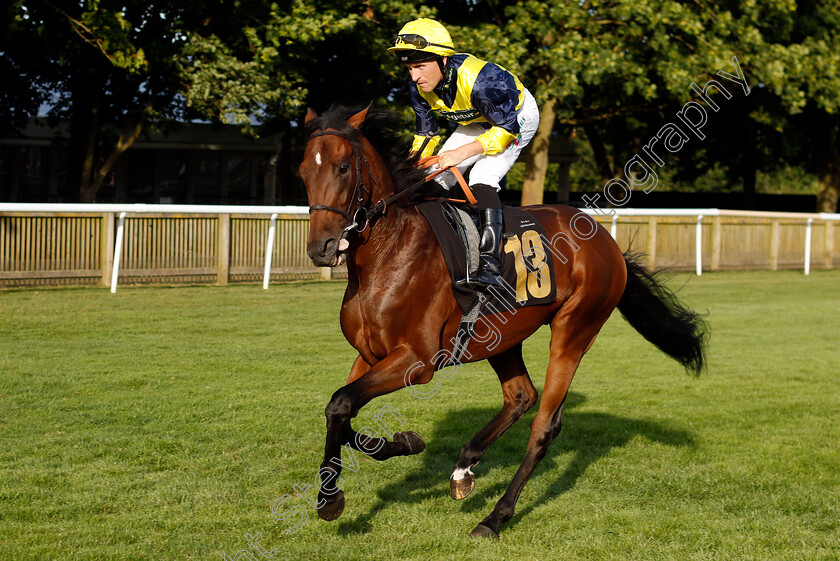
(404, 444)
(403, 366)
(359, 369)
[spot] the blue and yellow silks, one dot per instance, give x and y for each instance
(480, 92)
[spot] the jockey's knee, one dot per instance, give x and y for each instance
(486, 195)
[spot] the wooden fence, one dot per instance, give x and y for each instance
(731, 242)
(71, 247)
(228, 244)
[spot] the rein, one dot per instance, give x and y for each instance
(425, 163)
(379, 208)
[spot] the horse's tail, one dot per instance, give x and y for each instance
(656, 312)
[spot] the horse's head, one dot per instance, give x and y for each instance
(334, 168)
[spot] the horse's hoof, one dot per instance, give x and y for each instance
(482, 531)
(460, 488)
(333, 508)
(411, 440)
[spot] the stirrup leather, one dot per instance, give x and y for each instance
(490, 268)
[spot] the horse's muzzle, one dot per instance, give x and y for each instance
(326, 253)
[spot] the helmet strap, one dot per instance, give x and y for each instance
(441, 66)
(449, 73)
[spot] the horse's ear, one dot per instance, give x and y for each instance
(356, 120)
(310, 114)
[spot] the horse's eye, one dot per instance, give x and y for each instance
(343, 168)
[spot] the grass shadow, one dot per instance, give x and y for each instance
(587, 436)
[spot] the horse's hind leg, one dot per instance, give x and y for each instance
(519, 396)
(569, 341)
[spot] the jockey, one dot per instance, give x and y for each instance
(496, 118)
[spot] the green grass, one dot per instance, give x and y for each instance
(162, 423)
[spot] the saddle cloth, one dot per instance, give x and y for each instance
(527, 268)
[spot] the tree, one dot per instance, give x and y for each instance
(303, 53)
(799, 66)
(307, 52)
(615, 71)
(85, 68)
(619, 70)
(108, 69)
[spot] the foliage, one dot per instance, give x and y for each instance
(622, 69)
(223, 87)
(616, 71)
(105, 69)
(304, 53)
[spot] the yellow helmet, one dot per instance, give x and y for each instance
(422, 39)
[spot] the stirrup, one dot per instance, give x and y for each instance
(489, 274)
(486, 278)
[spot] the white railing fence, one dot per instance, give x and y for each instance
(60, 243)
(700, 213)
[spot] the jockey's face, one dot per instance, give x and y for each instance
(426, 75)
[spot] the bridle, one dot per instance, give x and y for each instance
(360, 218)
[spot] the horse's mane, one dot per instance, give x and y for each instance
(382, 129)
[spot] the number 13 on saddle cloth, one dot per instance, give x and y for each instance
(527, 264)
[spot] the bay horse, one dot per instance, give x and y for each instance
(399, 311)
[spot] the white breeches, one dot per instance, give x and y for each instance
(490, 169)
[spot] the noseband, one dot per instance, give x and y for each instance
(357, 220)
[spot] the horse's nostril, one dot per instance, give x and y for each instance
(328, 246)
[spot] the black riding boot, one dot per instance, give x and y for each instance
(489, 250)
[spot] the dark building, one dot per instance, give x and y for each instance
(197, 164)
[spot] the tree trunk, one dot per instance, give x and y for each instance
(621, 144)
(599, 151)
(829, 192)
(270, 180)
(563, 189)
(86, 92)
(130, 133)
(749, 165)
(89, 155)
(536, 161)
(285, 169)
(828, 176)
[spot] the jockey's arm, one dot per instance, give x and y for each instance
(495, 140)
(425, 143)
(496, 95)
(426, 137)
(454, 157)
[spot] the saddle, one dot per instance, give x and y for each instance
(527, 268)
